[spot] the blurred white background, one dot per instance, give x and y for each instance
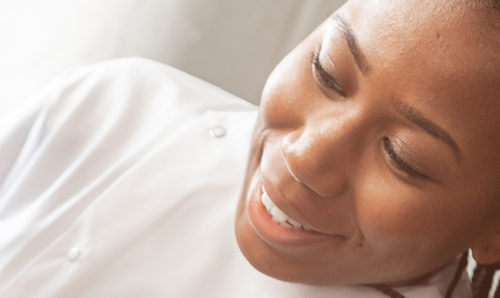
(231, 43)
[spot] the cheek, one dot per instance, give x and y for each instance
(393, 215)
(290, 91)
(283, 99)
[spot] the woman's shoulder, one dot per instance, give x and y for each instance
(118, 83)
(131, 93)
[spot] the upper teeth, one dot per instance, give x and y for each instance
(278, 215)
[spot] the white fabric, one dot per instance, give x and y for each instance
(117, 185)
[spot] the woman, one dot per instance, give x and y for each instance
(372, 169)
(379, 134)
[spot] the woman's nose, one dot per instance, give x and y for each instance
(321, 154)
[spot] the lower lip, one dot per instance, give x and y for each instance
(271, 231)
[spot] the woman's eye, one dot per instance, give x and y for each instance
(401, 164)
(326, 80)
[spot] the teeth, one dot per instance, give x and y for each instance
(266, 200)
(278, 215)
(294, 223)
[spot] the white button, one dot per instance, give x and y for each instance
(73, 254)
(218, 131)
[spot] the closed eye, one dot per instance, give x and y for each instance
(325, 79)
(401, 164)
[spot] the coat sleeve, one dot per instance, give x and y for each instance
(89, 119)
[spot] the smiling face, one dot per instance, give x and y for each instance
(376, 147)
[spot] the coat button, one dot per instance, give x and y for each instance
(73, 254)
(218, 131)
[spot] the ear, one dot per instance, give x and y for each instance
(487, 250)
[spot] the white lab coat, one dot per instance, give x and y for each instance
(123, 182)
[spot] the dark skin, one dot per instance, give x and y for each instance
(385, 142)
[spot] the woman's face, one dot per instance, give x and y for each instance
(377, 145)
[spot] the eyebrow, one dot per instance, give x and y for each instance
(427, 125)
(346, 30)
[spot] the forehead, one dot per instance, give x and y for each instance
(455, 38)
(442, 58)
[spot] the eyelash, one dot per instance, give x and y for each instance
(325, 79)
(400, 164)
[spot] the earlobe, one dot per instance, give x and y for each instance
(487, 252)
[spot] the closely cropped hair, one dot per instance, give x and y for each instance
(482, 280)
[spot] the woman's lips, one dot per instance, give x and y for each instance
(273, 225)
